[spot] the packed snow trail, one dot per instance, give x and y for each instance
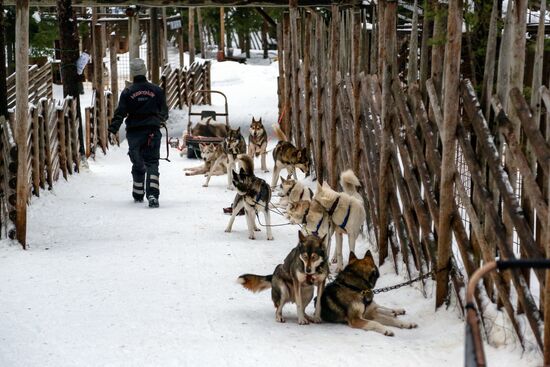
(107, 282)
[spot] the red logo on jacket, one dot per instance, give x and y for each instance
(140, 93)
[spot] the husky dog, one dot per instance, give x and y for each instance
(314, 219)
(254, 195)
(206, 127)
(209, 154)
(257, 141)
(288, 156)
(293, 280)
(347, 215)
(293, 191)
(233, 145)
(349, 299)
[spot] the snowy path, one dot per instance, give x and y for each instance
(107, 282)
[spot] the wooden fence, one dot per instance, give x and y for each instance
(40, 84)
(335, 103)
(178, 84)
(53, 151)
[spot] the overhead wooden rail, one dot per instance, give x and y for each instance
(190, 3)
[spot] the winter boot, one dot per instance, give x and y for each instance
(153, 201)
(137, 192)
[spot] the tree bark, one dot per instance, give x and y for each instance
(70, 52)
(3, 71)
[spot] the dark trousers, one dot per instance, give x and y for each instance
(144, 152)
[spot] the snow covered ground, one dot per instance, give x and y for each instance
(106, 282)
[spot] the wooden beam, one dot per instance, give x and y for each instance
(155, 44)
(113, 47)
(22, 115)
(221, 51)
(191, 35)
(186, 3)
(448, 139)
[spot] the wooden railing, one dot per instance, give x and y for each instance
(40, 84)
(179, 84)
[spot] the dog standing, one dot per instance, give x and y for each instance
(288, 156)
(253, 194)
(293, 280)
(347, 215)
(233, 145)
(257, 142)
(349, 299)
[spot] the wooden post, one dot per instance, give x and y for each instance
(135, 36)
(100, 89)
(286, 122)
(412, 74)
(490, 57)
(319, 87)
(113, 47)
(201, 32)
(307, 80)
(164, 39)
(22, 116)
(538, 66)
(427, 24)
(294, 52)
(191, 35)
(332, 148)
(155, 46)
(546, 351)
(438, 48)
(355, 70)
(388, 63)
(505, 58)
(448, 167)
(221, 51)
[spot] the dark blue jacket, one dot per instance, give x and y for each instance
(142, 104)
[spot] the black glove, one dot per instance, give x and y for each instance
(113, 138)
(112, 130)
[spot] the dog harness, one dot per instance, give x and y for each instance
(333, 209)
(346, 218)
(366, 294)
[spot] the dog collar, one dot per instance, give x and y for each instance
(304, 219)
(343, 225)
(291, 188)
(316, 232)
(333, 207)
(367, 294)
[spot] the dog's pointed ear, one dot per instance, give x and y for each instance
(242, 172)
(239, 130)
(260, 120)
(319, 187)
(368, 254)
(234, 173)
(282, 179)
(352, 258)
(301, 236)
(288, 177)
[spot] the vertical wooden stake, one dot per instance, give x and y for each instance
(113, 48)
(191, 35)
(135, 36)
(307, 81)
(101, 112)
(355, 70)
(546, 352)
(164, 39)
(448, 166)
(155, 46)
(201, 31)
(221, 51)
(294, 52)
(412, 74)
(332, 148)
(22, 116)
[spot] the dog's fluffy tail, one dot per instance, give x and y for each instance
(349, 182)
(246, 163)
(255, 283)
(279, 133)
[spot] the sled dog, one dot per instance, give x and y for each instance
(257, 142)
(233, 145)
(293, 280)
(293, 191)
(254, 195)
(349, 299)
(288, 156)
(347, 215)
(209, 154)
(314, 220)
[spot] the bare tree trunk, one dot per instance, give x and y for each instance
(191, 35)
(265, 27)
(201, 31)
(3, 71)
(490, 60)
(70, 43)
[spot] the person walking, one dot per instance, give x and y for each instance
(143, 105)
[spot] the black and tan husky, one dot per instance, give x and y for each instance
(288, 156)
(253, 194)
(349, 299)
(257, 142)
(304, 267)
(233, 145)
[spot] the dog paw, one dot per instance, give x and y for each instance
(270, 238)
(388, 333)
(257, 229)
(314, 319)
(230, 188)
(252, 237)
(280, 319)
(303, 321)
(334, 260)
(204, 185)
(228, 230)
(411, 325)
(398, 312)
(266, 170)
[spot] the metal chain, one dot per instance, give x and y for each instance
(409, 282)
